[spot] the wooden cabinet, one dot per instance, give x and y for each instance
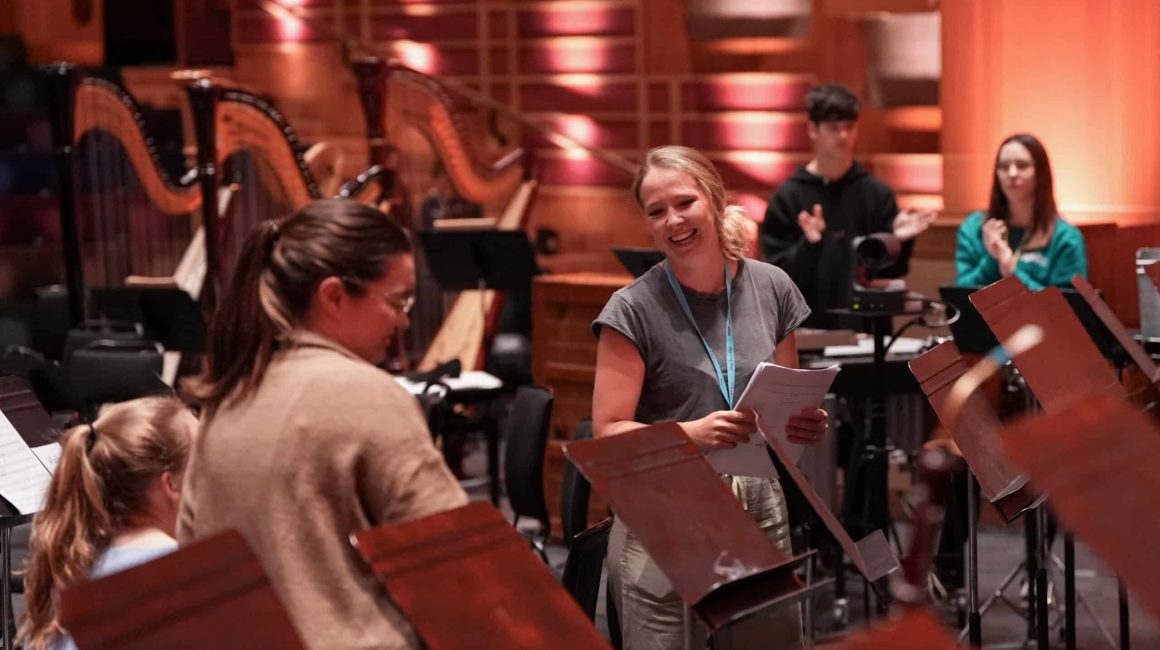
(564, 358)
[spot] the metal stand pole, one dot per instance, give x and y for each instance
(1125, 628)
(1069, 590)
(808, 614)
(1042, 633)
(6, 590)
(974, 618)
(686, 626)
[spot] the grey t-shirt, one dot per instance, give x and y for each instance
(679, 381)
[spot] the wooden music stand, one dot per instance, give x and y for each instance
(1131, 347)
(976, 432)
(720, 562)
(210, 594)
(1067, 365)
(1096, 461)
(465, 578)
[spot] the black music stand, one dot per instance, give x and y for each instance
(20, 406)
(169, 314)
(637, 261)
(503, 260)
(970, 331)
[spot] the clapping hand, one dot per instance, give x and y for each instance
(807, 427)
(813, 224)
(995, 241)
(911, 223)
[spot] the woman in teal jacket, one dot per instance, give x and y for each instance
(1021, 233)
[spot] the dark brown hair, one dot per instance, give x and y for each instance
(279, 268)
(831, 103)
(1043, 211)
(100, 484)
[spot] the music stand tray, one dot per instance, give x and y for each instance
(480, 259)
(210, 594)
(465, 578)
(720, 562)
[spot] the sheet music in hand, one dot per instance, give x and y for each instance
(775, 393)
(23, 476)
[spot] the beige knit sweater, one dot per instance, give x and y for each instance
(326, 446)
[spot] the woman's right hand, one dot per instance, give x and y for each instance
(721, 429)
(995, 239)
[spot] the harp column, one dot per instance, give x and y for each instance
(63, 78)
(371, 72)
(203, 94)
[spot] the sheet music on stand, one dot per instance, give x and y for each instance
(28, 456)
(1096, 461)
(465, 578)
(28, 447)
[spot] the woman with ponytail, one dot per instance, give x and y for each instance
(665, 343)
(304, 440)
(112, 504)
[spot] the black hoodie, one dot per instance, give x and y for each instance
(854, 205)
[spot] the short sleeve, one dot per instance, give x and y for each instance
(620, 315)
(792, 309)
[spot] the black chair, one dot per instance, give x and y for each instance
(585, 562)
(575, 492)
(112, 370)
(527, 439)
(98, 330)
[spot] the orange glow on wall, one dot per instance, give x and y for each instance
(1082, 75)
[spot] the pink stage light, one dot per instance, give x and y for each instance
(578, 54)
(586, 20)
(420, 56)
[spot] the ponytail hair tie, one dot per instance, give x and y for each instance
(92, 439)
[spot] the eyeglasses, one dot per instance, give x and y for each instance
(402, 305)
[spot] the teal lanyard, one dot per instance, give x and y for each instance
(726, 386)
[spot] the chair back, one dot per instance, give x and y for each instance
(89, 331)
(111, 370)
(585, 561)
(575, 491)
(527, 438)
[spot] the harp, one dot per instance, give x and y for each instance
(448, 146)
(125, 219)
(253, 167)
